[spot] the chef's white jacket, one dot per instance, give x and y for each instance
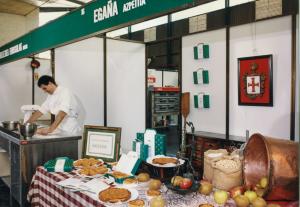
(63, 100)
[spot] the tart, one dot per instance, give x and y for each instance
(152, 193)
(114, 195)
(164, 160)
(136, 203)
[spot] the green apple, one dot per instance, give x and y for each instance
(263, 182)
(220, 196)
(241, 201)
(251, 195)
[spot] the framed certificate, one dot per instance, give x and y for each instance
(101, 142)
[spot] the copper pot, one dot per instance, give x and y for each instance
(275, 159)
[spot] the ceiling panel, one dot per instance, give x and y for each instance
(16, 7)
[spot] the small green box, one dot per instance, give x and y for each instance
(141, 149)
(65, 162)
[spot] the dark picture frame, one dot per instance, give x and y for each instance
(255, 80)
(101, 142)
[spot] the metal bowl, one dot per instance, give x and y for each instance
(11, 125)
(28, 129)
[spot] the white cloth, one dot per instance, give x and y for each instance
(63, 100)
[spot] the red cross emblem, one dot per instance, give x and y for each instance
(254, 82)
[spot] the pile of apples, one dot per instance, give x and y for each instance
(181, 182)
(246, 196)
(243, 196)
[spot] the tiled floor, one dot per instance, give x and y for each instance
(4, 195)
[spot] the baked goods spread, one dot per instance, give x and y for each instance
(114, 195)
(119, 175)
(93, 170)
(136, 203)
(130, 181)
(164, 160)
(153, 193)
(86, 162)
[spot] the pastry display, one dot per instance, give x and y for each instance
(87, 162)
(164, 160)
(114, 195)
(92, 170)
(136, 203)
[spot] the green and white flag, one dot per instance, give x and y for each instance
(201, 51)
(201, 101)
(201, 77)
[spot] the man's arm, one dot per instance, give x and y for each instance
(58, 119)
(34, 117)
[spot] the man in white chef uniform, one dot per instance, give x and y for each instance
(60, 102)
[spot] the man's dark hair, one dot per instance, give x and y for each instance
(45, 80)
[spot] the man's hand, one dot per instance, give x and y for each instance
(43, 131)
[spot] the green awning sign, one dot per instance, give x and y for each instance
(94, 18)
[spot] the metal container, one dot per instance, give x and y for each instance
(275, 159)
(28, 129)
(11, 125)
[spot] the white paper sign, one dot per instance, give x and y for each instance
(149, 139)
(101, 144)
(127, 162)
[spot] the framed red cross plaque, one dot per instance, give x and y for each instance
(255, 80)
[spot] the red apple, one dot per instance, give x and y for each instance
(186, 183)
(235, 191)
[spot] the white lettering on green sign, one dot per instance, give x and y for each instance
(105, 12)
(133, 4)
(13, 50)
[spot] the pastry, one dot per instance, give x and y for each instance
(87, 162)
(164, 160)
(136, 203)
(206, 205)
(93, 170)
(143, 177)
(130, 181)
(153, 193)
(119, 175)
(114, 195)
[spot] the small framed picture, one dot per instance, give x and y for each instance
(101, 142)
(255, 81)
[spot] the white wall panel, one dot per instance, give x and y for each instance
(15, 88)
(126, 89)
(79, 67)
(272, 37)
(44, 69)
(212, 119)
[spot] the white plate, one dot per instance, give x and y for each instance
(134, 195)
(149, 160)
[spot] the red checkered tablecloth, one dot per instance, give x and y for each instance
(44, 191)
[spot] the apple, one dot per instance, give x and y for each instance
(251, 195)
(176, 180)
(220, 196)
(263, 182)
(186, 183)
(241, 201)
(259, 202)
(205, 187)
(235, 191)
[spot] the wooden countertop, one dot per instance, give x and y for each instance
(217, 136)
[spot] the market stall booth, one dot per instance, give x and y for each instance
(136, 81)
